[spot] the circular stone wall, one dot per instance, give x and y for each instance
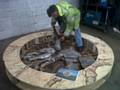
(27, 78)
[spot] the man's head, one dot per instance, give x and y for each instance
(52, 11)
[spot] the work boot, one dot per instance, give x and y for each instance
(80, 49)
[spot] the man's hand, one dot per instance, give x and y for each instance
(58, 32)
(62, 38)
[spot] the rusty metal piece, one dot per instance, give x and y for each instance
(47, 50)
(40, 57)
(53, 81)
(45, 53)
(86, 61)
(42, 67)
(30, 55)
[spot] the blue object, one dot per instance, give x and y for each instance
(103, 3)
(92, 18)
(67, 73)
(78, 38)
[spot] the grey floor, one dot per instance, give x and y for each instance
(113, 83)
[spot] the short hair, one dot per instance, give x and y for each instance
(51, 9)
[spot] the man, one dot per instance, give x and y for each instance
(68, 18)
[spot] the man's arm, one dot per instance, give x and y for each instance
(62, 23)
(53, 21)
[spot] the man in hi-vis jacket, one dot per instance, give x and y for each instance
(68, 18)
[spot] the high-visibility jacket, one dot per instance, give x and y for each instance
(71, 13)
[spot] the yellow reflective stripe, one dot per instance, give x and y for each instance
(59, 10)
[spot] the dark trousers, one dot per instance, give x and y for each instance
(116, 20)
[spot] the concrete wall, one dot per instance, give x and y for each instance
(23, 16)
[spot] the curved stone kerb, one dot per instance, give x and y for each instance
(37, 79)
